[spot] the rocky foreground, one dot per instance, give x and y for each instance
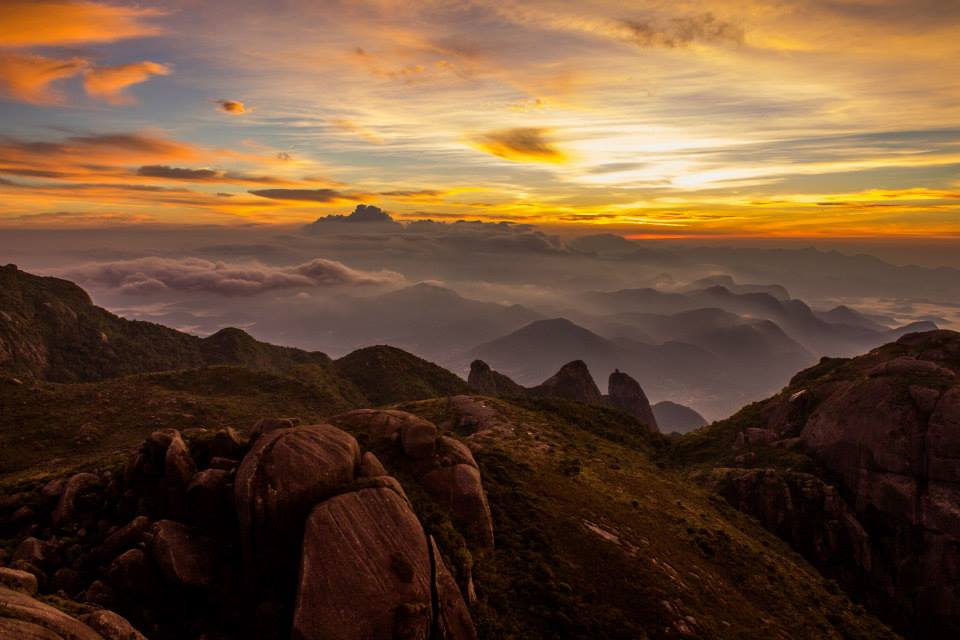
(294, 532)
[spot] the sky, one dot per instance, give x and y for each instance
(650, 119)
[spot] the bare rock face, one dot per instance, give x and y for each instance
(886, 427)
(185, 556)
(801, 509)
(459, 489)
(625, 394)
(488, 382)
(369, 572)
(280, 480)
(572, 382)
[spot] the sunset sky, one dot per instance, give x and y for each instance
(649, 118)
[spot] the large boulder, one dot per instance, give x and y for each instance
(460, 489)
(123, 538)
(66, 507)
(371, 467)
(111, 626)
(369, 572)
(18, 580)
(280, 480)
(227, 443)
(184, 554)
(133, 572)
(24, 618)
(419, 438)
(625, 394)
(178, 466)
(209, 499)
(375, 423)
(264, 426)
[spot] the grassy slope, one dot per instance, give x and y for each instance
(388, 375)
(595, 540)
(49, 427)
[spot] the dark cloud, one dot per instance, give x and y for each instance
(522, 144)
(233, 107)
(682, 31)
(177, 173)
(363, 213)
(155, 274)
(202, 175)
(305, 195)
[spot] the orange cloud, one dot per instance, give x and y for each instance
(523, 144)
(345, 124)
(234, 107)
(28, 77)
(109, 83)
(29, 23)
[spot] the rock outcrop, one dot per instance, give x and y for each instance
(624, 393)
(23, 617)
(303, 531)
(488, 382)
(444, 466)
(572, 382)
(885, 428)
(369, 571)
(282, 477)
(803, 510)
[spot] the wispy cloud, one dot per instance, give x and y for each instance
(110, 83)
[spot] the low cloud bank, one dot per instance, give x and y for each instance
(153, 275)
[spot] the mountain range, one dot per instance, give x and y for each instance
(203, 486)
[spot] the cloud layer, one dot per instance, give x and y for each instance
(144, 276)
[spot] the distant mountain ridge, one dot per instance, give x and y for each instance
(572, 382)
(50, 330)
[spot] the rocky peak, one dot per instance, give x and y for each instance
(573, 382)
(485, 380)
(626, 394)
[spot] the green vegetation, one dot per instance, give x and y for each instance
(388, 375)
(623, 548)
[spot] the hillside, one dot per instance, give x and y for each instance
(591, 537)
(51, 330)
(855, 463)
